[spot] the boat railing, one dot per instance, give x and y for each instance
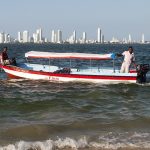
(78, 64)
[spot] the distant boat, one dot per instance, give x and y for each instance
(56, 73)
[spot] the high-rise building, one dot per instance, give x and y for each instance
(7, 38)
(143, 38)
(35, 37)
(114, 40)
(25, 36)
(38, 36)
(19, 37)
(72, 39)
(45, 40)
(99, 35)
(59, 36)
(53, 36)
(84, 37)
(129, 40)
(102, 39)
(74, 36)
(2, 37)
(41, 35)
(124, 41)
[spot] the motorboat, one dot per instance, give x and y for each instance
(69, 70)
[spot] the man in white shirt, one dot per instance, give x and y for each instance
(128, 60)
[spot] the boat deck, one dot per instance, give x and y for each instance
(81, 70)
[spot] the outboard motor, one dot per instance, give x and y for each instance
(142, 69)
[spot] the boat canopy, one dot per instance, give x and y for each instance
(52, 55)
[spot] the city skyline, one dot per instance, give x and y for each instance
(57, 37)
(117, 18)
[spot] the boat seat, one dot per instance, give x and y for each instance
(64, 70)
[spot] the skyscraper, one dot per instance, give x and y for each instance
(143, 39)
(84, 37)
(59, 36)
(2, 38)
(99, 35)
(35, 38)
(102, 39)
(6, 38)
(19, 37)
(25, 36)
(53, 36)
(39, 35)
(74, 36)
(130, 40)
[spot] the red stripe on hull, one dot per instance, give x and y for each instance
(11, 76)
(104, 77)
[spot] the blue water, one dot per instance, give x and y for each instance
(45, 116)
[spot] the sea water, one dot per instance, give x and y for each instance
(42, 115)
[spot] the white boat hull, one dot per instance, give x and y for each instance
(17, 72)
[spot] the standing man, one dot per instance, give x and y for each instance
(129, 58)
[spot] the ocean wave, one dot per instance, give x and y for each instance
(136, 141)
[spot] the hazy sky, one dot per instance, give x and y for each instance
(115, 17)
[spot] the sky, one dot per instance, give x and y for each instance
(117, 18)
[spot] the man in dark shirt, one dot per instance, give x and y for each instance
(5, 59)
(4, 56)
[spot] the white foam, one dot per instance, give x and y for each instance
(68, 142)
(48, 145)
(22, 145)
(109, 141)
(9, 147)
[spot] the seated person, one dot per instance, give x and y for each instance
(4, 58)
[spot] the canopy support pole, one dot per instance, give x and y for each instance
(27, 60)
(70, 63)
(90, 64)
(49, 64)
(114, 66)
